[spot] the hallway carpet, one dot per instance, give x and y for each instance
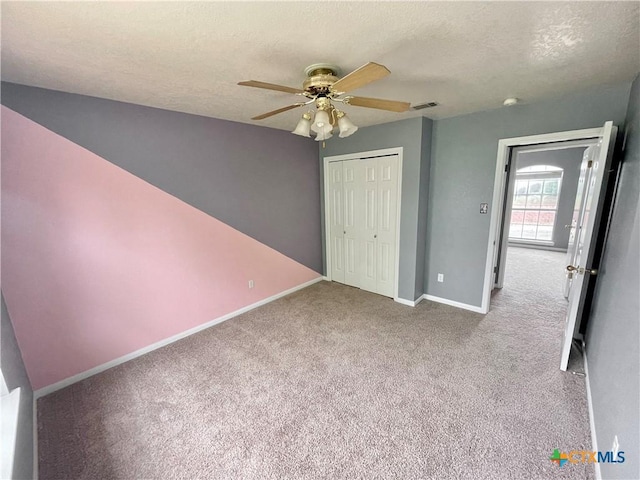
(333, 382)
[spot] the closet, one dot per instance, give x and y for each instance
(363, 219)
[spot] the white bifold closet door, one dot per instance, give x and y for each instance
(363, 222)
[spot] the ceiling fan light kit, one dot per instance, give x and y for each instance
(321, 122)
(322, 87)
(304, 125)
(323, 136)
(345, 125)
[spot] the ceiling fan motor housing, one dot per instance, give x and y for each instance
(321, 76)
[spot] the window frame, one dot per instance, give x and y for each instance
(553, 173)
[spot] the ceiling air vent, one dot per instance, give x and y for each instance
(425, 105)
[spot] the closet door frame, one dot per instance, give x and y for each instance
(327, 220)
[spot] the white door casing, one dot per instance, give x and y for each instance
(496, 207)
(371, 197)
(503, 234)
(595, 188)
(336, 219)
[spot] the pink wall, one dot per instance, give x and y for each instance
(97, 263)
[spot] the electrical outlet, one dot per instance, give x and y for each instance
(441, 277)
(616, 446)
(250, 283)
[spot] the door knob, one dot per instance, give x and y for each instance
(375, 236)
(581, 270)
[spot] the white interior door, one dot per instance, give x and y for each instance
(578, 212)
(336, 221)
(593, 190)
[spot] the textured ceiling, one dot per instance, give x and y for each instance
(185, 56)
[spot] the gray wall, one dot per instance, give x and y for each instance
(423, 206)
(16, 377)
(569, 159)
(415, 170)
(261, 181)
(463, 159)
(613, 331)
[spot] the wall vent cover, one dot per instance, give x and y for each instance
(425, 105)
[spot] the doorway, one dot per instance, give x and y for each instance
(540, 215)
(588, 210)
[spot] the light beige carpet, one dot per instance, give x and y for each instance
(333, 382)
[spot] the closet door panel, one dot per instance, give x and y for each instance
(368, 255)
(387, 221)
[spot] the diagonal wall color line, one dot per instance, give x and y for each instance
(98, 263)
(261, 181)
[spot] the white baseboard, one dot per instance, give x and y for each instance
(410, 303)
(592, 422)
(130, 356)
(535, 246)
(453, 303)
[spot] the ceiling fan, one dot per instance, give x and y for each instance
(323, 88)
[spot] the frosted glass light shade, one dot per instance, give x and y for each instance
(346, 127)
(303, 127)
(322, 123)
(324, 136)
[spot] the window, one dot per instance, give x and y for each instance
(535, 203)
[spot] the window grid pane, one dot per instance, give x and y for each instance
(535, 205)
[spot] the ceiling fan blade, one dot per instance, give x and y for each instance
(275, 112)
(391, 105)
(360, 77)
(270, 86)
